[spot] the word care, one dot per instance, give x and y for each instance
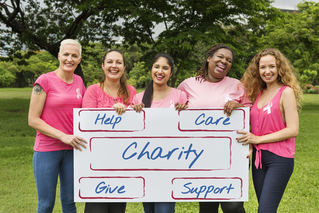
(161, 155)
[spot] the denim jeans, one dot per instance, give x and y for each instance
(271, 180)
(159, 207)
(227, 207)
(47, 166)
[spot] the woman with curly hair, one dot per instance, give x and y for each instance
(271, 84)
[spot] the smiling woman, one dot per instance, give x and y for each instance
(53, 98)
(212, 88)
(111, 92)
(159, 95)
(219, 65)
(271, 83)
(69, 57)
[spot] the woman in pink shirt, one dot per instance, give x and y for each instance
(159, 95)
(53, 98)
(212, 88)
(271, 84)
(111, 92)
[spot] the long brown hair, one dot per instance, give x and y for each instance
(286, 75)
(123, 91)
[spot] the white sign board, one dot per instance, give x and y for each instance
(161, 155)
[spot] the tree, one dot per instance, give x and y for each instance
(26, 67)
(6, 77)
(139, 75)
(188, 24)
(28, 23)
(296, 35)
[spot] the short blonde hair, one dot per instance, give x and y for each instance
(70, 41)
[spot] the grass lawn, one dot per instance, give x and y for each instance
(17, 186)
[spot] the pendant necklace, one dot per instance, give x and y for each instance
(109, 93)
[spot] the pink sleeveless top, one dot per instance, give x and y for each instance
(267, 120)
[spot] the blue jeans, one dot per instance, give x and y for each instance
(47, 166)
(270, 181)
(159, 207)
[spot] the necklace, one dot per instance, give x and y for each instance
(109, 93)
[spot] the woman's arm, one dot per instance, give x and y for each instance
(137, 104)
(289, 105)
(230, 106)
(37, 101)
(90, 97)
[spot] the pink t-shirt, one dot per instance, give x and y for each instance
(267, 120)
(58, 109)
(206, 94)
(95, 97)
(175, 96)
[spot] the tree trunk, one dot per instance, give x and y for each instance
(174, 77)
(79, 72)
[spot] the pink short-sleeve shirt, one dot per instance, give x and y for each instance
(58, 109)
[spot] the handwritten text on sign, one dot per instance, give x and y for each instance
(161, 155)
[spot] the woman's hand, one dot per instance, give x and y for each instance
(75, 141)
(119, 108)
(230, 106)
(248, 138)
(138, 107)
(179, 106)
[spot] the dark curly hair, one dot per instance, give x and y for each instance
(203, 71)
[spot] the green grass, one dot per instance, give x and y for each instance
(17, 186)
(15, 92)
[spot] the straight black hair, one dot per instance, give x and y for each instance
(148, 94)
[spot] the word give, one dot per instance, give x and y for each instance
(101, 187)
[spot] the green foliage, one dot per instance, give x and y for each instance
(307, 77)
(139, 75)
(189, 27)
(296, 35)
(93, 73)
(41, 63)
(311, 91)
(6, 77)
(26, 67)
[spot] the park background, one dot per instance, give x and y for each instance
(31, 32)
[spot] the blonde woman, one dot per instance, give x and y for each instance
(53, 98)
